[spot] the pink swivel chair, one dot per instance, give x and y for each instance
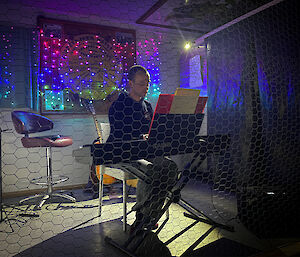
(28, 123)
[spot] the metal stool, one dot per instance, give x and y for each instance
(27, 123)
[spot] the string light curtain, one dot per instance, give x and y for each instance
(82, 61)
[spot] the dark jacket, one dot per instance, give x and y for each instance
(129, 119)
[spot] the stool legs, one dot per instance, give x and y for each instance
(125, 196)
(101, 189)
(124, 203)
(50, 182)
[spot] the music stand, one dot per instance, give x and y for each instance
(170, 134)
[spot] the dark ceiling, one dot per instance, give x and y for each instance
(199, 16)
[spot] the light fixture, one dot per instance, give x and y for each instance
(187, 46)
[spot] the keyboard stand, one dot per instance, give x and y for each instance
(135, 239)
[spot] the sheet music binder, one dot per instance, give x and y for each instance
(161, 113)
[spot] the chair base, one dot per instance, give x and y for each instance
(46, 197)
(43, 181)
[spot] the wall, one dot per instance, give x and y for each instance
(19, 165)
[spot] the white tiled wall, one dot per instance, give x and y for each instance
(20, 165)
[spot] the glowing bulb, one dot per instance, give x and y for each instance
(187, 45)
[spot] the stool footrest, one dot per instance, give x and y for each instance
(44, 181)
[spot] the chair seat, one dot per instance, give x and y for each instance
(47, 141)
(118, 173)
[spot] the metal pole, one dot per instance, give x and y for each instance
(1, 199)
(1, 177)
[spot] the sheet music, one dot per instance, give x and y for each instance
(187, 92)
(184, 101)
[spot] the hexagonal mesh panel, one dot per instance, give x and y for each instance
(242, 172)
(253, 96)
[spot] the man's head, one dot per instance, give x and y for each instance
(139, 79)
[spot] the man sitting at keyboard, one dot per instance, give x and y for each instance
(130, 117)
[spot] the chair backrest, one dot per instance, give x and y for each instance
(27, 122)
(105, 130)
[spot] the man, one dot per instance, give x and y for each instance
(130, 117)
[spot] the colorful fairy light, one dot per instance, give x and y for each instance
(148, 56)
(87, 65)
(57, 77)
(7, 92)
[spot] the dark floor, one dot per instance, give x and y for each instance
(76, 230)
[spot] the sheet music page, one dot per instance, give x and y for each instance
(187, 92)
(184, 101)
